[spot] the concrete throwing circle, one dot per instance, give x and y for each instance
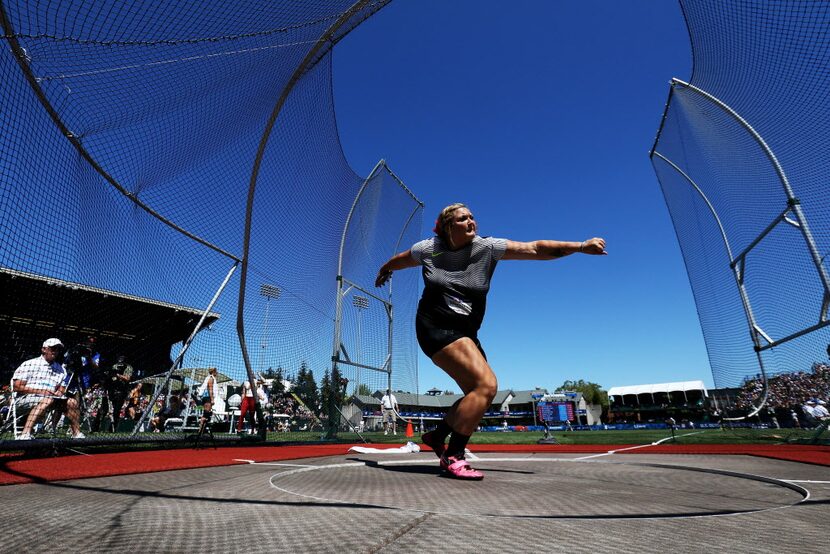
(537, 487)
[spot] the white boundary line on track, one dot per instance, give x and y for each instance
(303, 469)
(637, 447)
(254, 462)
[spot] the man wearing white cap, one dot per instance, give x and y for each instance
(40, 383)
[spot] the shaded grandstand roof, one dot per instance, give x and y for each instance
(426, 400)
(9, 276)
(680, 386)
(526, 396)
(33, 307)
(501, 396)
(64, 306)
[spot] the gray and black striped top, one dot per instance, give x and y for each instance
(457, 281)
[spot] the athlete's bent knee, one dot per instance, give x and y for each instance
(488, 388)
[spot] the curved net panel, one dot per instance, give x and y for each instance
(128, 141)
(755, 238)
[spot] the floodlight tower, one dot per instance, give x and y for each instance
(361, 303)
(269, 292)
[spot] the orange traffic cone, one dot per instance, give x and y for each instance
(409, 431)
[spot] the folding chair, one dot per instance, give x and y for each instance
(10, 416)
(14, 422)
(16, 416)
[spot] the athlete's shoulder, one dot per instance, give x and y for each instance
(490, 241)
(425, 248)
(497, 245)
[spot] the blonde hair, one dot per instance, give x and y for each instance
(442, 224)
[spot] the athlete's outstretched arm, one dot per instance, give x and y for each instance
(396, 262)
(552, 249)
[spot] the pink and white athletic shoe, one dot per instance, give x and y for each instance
(460, 469)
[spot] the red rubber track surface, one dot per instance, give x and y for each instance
(15, 471)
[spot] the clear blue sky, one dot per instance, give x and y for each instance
(539, 115)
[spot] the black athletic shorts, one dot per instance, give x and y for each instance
(432, 338)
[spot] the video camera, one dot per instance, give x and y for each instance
(73, 358)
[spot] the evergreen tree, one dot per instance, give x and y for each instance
(326, 393)
(278, 385)
(306, 388)
(338, 385)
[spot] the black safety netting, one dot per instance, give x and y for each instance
(132, 135)
(740, 159)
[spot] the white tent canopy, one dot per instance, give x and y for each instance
(681, 386)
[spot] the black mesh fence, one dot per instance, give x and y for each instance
(740, 161)
(131, 136)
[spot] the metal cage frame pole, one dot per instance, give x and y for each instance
(793, 204)
(750, 316)
(342, 281)
(145, 414)
(308, 62)
(738, 264)
(338, 309)
(418, 206)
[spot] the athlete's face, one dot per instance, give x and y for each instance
(463, 227)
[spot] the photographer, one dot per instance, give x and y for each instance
(81, 361)
(116, 383)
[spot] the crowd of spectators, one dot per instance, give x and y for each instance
(283, 412)
(102, 393)
(794, 394)
(788, 390)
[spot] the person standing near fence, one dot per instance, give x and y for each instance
(457, 265)
(389, 411)
(208, 395)
(133, 408)
(116, 384)
(246, 408)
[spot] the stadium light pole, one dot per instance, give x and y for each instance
(361, 303)
(269, 292)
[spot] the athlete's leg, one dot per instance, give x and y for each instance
(464, 362)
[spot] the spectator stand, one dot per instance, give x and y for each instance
(190, 378)
(683, 400)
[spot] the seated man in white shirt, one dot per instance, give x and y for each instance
(39, 385)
